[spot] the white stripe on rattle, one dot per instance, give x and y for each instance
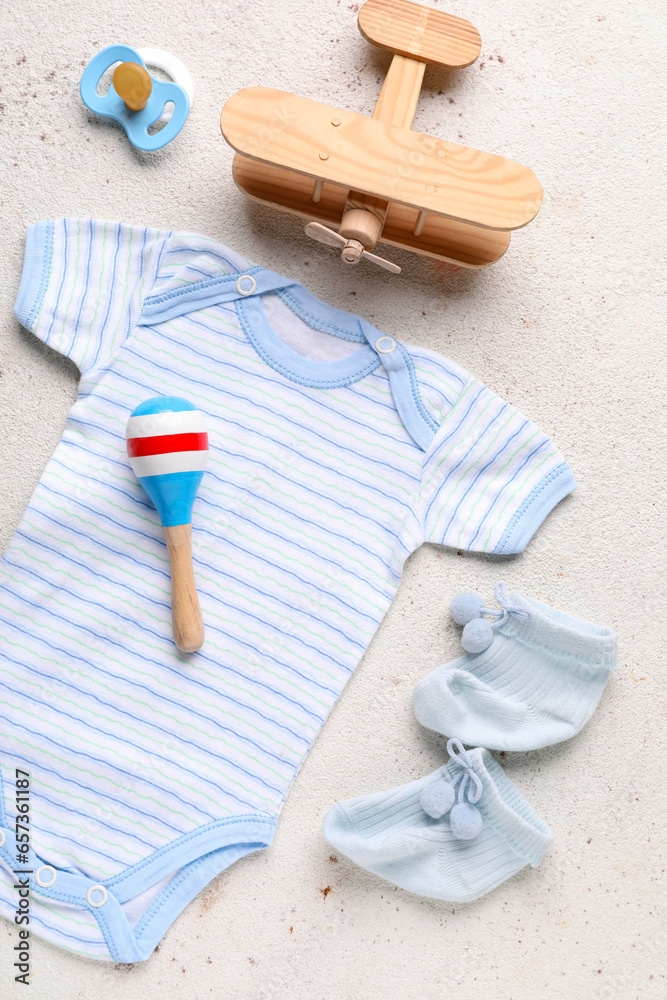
(167, 422)
(174, 461)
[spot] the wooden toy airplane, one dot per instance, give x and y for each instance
(375, 179)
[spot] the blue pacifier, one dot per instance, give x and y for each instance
(136, 99)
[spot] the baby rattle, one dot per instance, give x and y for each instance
(167, 445)
(135, 99)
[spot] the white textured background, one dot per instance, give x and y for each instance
(568, 327)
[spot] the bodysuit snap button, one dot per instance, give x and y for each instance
(97, 902)
(389, 345)
(38, 876)
(2, 837)
(246, 291)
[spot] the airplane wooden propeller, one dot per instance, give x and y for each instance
(375, 179)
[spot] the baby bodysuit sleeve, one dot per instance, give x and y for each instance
(490, 476)
(83, 284)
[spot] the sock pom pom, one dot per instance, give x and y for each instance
(477, 635)
(465, 821)
(465, 607)
(437, 798)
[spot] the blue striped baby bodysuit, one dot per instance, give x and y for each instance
(335, 451)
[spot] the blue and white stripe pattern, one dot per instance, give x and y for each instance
(142, 761)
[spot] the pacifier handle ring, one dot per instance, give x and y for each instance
(174, 68)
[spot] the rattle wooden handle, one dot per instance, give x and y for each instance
(187, 622)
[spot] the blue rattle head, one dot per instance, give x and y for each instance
(167, 445)
(135, 123)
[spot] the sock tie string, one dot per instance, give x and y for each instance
(466, 775)
(503, 598)
(439, 797)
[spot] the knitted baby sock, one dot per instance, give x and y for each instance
(459, 857)
(537, 682)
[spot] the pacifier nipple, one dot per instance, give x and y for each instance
(133, 84)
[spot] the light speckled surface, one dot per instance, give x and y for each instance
(568, 327)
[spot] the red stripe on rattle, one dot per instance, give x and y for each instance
(164, 444)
